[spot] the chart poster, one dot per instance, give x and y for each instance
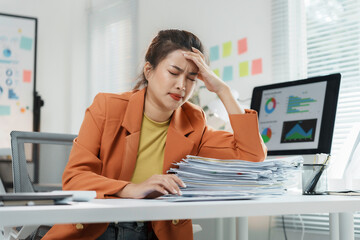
(17, 76)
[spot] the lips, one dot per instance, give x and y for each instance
(176, 97)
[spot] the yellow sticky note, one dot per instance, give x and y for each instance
(244, 69)
(227, 49)
(217, 72)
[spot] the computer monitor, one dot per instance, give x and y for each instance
(297, 117)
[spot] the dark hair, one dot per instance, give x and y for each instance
(165, 42)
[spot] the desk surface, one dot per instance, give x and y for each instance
(100, 210)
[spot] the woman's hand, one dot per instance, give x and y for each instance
(155, 186)
(212, 82)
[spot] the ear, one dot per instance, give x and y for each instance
(147, 70)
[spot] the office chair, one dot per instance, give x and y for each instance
(2, 188)
(21, 179)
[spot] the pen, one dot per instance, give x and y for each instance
(310, 188)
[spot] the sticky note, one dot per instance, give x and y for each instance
(242, 46)
(214, 53)
(228, 73)
(217, 72)
(244, 69)
(4, 110)
(227, 49)
(256, 66)
(26, 43)
(27, 76)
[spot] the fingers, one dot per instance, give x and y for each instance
(199, 52)
(194, 56)
(169, 183)
(171, 186)
(156, 184)
(161, 189)
(177, 180)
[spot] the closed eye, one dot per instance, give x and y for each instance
(175, 74)
(192, 79)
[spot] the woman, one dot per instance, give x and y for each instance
(128, 141)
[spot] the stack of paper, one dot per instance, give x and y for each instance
(234, 179)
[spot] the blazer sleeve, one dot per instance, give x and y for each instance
(83, 170)
(245, 143)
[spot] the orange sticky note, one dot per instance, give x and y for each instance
(256, 66)
(242, 46)
(27, 76)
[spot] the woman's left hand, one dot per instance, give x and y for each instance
(212, 82)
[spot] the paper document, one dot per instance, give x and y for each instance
(209, 178)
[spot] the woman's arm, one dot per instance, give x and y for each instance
(246, 142)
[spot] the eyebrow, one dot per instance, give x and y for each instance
(182, 70)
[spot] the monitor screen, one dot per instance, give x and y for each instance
(297, 117)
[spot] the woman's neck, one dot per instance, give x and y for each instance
(154, 112)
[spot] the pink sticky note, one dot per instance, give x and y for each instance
(256, 66)
(27, 76)
(242, 46)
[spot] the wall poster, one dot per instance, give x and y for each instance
(17, 76)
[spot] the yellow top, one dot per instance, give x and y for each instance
(150, 158)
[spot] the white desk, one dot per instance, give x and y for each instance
(110, 210)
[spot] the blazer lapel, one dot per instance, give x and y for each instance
(132, 123)
(177, 144)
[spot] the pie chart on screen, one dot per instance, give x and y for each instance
(266, 135)
(270, 105)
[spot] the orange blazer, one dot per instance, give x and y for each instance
(104, 154)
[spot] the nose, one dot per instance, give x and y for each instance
(181, 83)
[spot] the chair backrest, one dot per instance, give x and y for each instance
(21, 179)
(2, 188)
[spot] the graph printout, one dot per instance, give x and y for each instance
(17, 76)
(290, 117)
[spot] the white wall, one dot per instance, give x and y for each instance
(215, 22)
(61, 59)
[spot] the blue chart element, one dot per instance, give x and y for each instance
(270, 105)
(9, 72)
(4, 110)
(297, 104)
(298, 131)
(7, 52)
(12, 94)
(1, 90)
(9, 81)
(26, 43)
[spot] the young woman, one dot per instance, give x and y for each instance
(128, 141)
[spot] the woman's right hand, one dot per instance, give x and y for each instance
(154, 186)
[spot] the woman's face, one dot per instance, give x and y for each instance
(172, 82)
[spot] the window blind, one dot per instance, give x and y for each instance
(331, 44)
(112, 46)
